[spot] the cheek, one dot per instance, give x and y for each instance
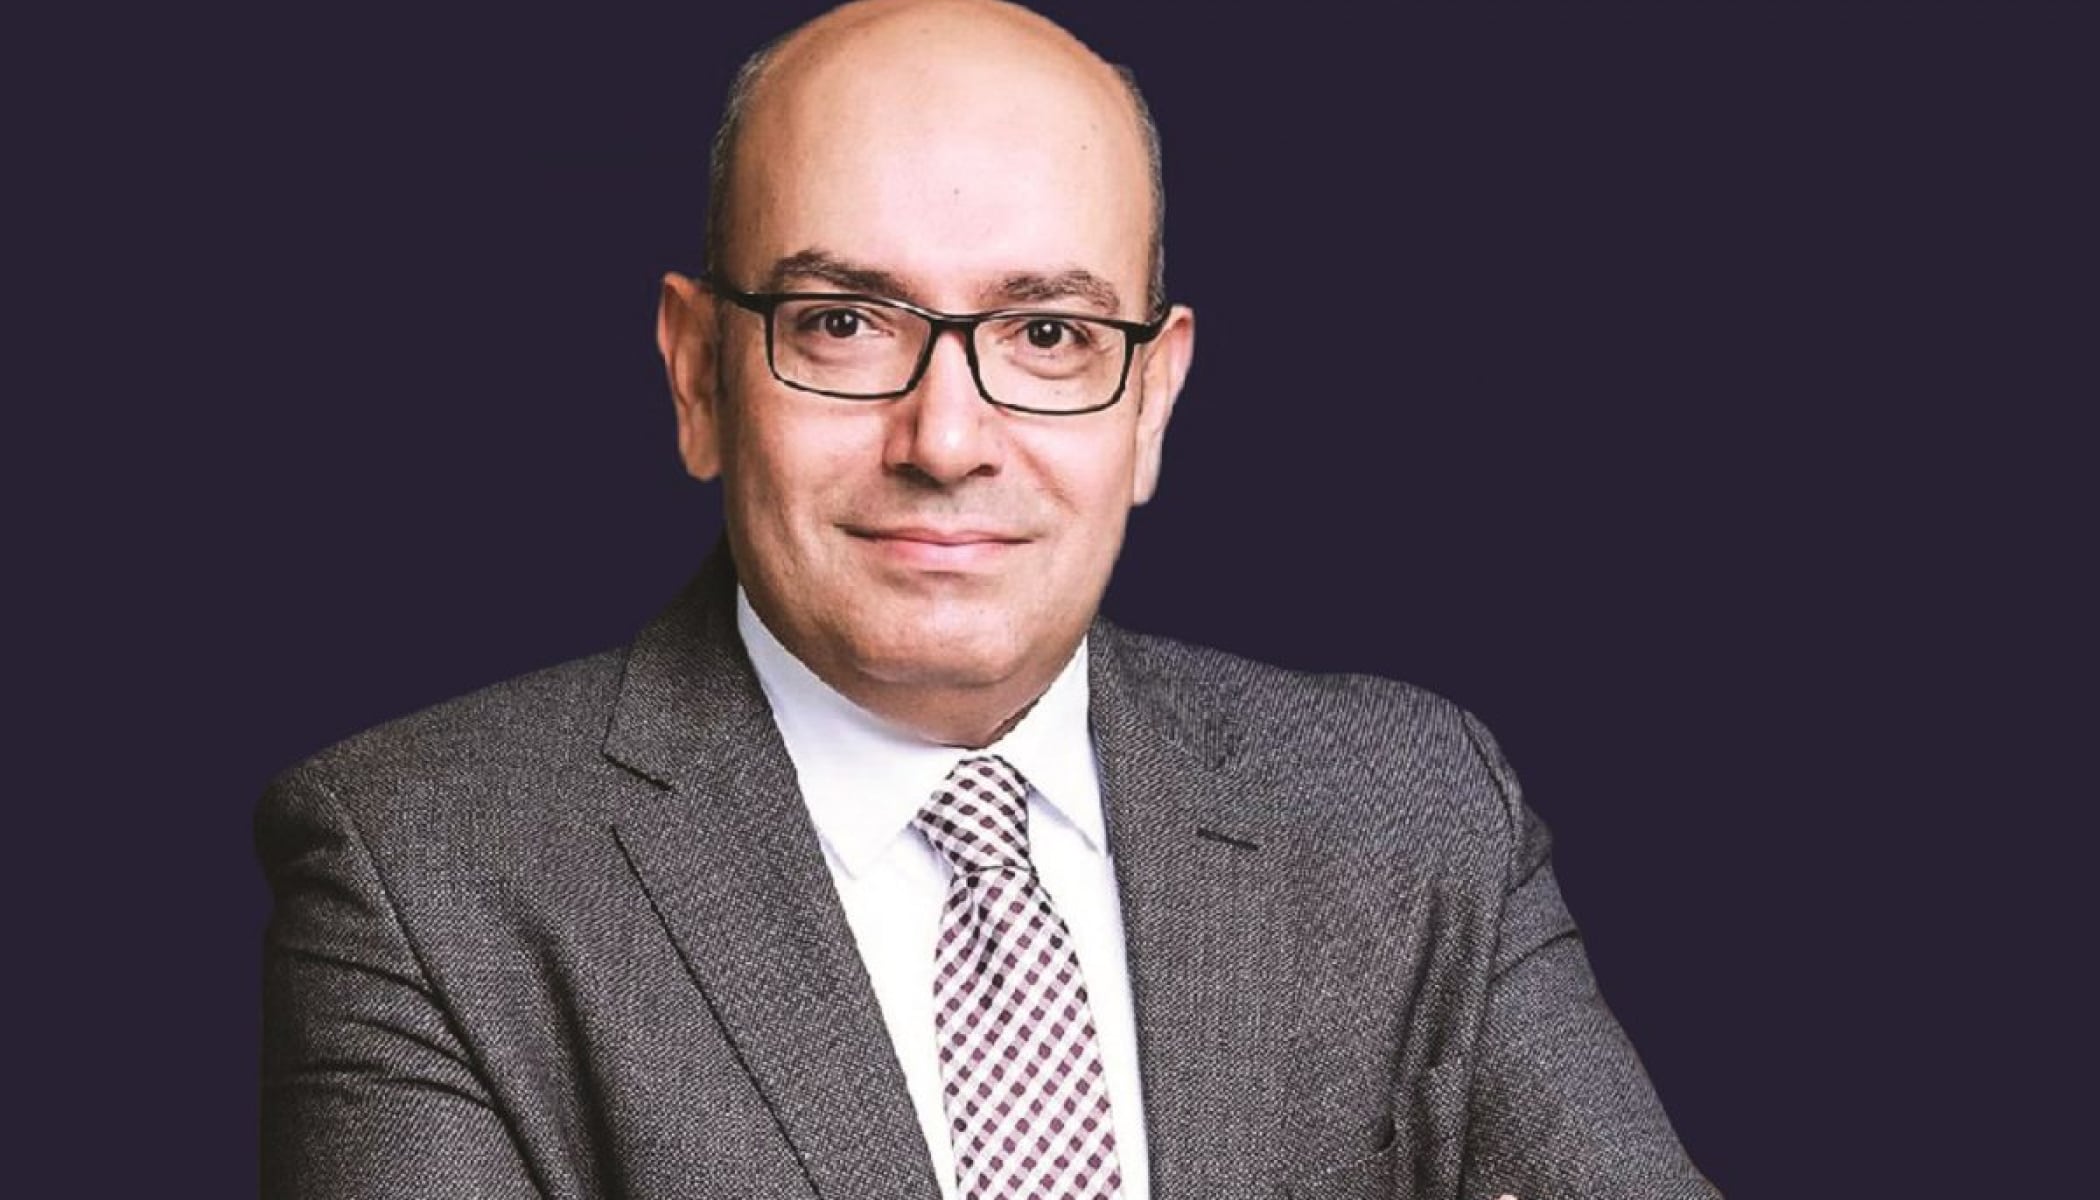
(773, 454)
(785, 490)
(1090, 481)
(776, 471)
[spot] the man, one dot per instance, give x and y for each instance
(879, 865)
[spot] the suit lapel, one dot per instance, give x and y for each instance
(733, 868)
(1207, 920)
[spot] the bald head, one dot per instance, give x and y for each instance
(939, 67)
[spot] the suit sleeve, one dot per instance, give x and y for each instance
(367, 1087)
(1560, 1107)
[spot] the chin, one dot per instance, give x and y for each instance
(939, 657)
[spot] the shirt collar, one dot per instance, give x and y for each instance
(864, 779)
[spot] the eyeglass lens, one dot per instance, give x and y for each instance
(1039, 360)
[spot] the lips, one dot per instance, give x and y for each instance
(938, 549)
(935, 537)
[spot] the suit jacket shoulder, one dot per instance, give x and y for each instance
(472, 791)
(564, 744)
(1395, 762)
(529, 725)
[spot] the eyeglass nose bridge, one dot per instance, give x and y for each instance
(938, 324)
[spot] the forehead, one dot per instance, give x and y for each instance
(942, 163)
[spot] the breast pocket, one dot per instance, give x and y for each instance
(1421, 1157)
(1376, 1176)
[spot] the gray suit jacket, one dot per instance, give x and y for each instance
(573, 936)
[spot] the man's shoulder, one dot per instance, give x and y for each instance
(519, 736)
(1281, 698)
(1373, 748)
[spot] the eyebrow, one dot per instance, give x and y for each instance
(1071, 284)
(1017, 288)
(825, 267)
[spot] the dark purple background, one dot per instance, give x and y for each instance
(1685, 394)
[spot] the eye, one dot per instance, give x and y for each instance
(830, 321)
(841, 322)
(1046, 334)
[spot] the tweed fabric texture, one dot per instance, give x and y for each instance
(1027, 1101)
(573, 936)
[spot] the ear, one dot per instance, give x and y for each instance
(686, 336)
(1165, 365)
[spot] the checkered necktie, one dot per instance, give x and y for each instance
(1027, 1101)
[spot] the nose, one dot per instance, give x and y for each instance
(943, 430)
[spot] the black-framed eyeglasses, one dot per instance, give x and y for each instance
(858, 347)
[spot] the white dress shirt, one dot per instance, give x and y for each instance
(864, 780)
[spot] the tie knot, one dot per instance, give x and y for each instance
(978, 817)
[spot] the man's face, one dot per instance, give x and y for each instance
(933, 544)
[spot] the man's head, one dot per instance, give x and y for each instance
(934, 557)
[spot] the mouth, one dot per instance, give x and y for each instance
(938, 548)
